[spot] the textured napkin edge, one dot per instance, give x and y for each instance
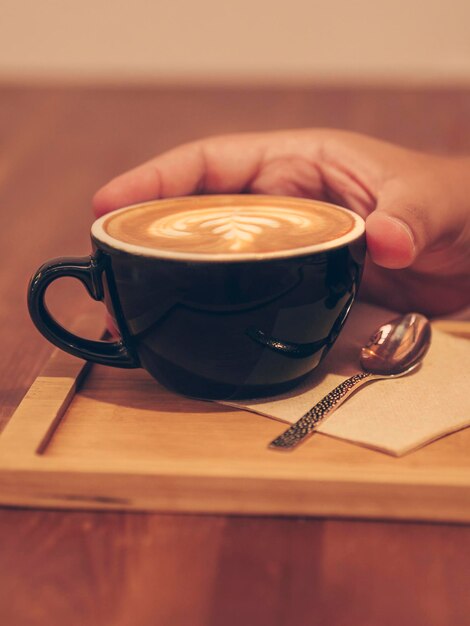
(242, 407)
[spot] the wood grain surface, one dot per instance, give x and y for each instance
(58, 145)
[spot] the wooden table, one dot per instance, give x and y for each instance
(58, 145)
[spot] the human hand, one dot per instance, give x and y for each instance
(416, 206)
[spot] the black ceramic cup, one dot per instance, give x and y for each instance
(210, 328)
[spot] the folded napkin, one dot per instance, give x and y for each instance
(394, 415)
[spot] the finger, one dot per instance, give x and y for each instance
(405, 223)
(224, 164)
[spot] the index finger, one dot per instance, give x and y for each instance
(223, 164)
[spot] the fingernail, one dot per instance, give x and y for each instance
(405, 229)
(390, 241)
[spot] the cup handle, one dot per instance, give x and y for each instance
(88, 270)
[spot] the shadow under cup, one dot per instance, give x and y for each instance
(212, 328)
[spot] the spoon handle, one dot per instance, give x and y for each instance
(304, 427)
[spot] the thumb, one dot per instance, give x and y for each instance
(400, 228)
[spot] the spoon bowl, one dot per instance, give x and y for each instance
(398, 346)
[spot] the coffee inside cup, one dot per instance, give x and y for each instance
(230, 226)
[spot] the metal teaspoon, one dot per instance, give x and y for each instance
(395, 349)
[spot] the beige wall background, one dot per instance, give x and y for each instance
(233, 40)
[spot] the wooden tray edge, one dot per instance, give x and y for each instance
(25, 438)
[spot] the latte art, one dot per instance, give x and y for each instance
(227, 226)
(232, 229)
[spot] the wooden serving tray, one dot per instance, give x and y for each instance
(104, 438)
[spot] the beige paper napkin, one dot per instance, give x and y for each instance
(393, 416)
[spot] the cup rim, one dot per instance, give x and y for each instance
(98, 233)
